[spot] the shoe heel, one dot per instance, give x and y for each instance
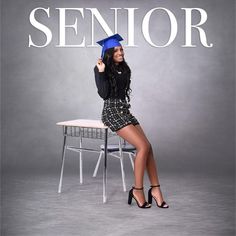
(130, 196)
(150, 196)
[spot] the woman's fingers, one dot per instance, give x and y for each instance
(100, 65)
(99, 61)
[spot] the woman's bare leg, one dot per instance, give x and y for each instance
(133, 136)
(152, 170)
(150, 164)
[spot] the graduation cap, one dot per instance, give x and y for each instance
(110, 42)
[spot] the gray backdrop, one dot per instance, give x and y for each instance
(183, 97)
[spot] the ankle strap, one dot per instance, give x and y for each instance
(152, 186)
(137, 188)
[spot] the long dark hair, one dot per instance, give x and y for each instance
(111, 70)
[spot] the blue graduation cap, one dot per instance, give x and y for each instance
(110, 42)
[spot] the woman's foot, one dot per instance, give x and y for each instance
(138, 195)
(157, 195)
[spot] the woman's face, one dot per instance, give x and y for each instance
(118, 55)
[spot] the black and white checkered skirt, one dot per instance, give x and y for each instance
(116, 114)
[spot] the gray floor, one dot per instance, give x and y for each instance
(199, 205)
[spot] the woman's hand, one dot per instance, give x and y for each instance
(100, 65)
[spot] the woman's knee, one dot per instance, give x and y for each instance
(144, 147)
(134, 137)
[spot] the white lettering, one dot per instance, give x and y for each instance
(189, 26)
(130, 26)
(41, 27)
(145, 27)
(63, 26)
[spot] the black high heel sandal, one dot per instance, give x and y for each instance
(150, 196)
(131, 195)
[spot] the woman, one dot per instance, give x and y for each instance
(112, 75)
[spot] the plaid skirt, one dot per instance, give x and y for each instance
(116, 114)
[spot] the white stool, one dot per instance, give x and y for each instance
(84, 128)
(121, 149)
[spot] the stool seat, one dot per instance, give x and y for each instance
(115, 148)
(83, 123)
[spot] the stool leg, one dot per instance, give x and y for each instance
(131, 160)
(80, 162)
(63, 160)
(105, 169)
(97, 165)
(122, 173)
(122, 166)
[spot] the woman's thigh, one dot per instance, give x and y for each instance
(140, 129)
(134, 136)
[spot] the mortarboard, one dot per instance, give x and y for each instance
(110, 42)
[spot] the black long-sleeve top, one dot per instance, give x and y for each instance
(104, 87)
